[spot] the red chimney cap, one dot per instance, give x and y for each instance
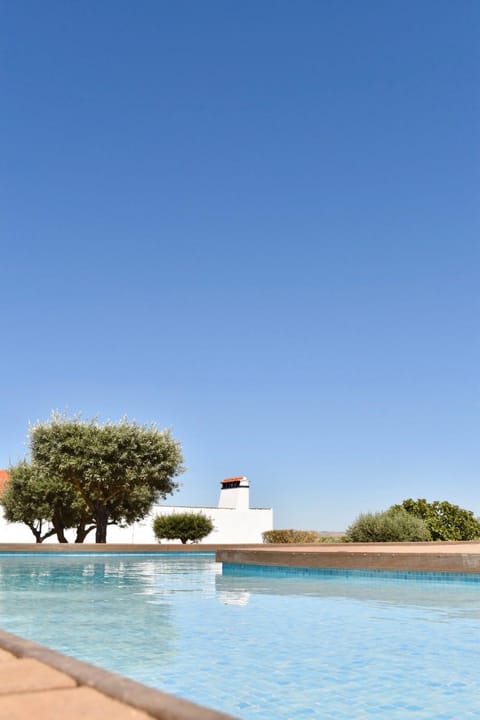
(233, 479)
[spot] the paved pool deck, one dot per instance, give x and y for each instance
(36, 682)
(40, 683)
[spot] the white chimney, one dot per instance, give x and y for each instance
(235, 493)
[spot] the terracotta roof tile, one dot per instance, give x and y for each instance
(4, 478)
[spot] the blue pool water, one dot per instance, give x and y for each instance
(260, 647)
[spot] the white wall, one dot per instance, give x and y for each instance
(230, 526)
(15, 532)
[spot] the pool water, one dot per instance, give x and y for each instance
(260, 648)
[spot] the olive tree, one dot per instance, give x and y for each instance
(45, 505)
(24, 500)
(182, 526)
(116, 470)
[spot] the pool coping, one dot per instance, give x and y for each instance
(118, 547)
(451, 556)
(55, 669)
(438, 557)
(116, 695)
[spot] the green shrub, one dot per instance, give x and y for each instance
(182, 526)
(388, 526)
(291, 536)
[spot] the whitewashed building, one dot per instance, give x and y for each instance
(233, 519)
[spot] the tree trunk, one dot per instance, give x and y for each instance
(39, 538)
(37, 533)
(59, 525)
(59, 529)
(101, 519)
(82, 532)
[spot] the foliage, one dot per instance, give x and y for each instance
(444, 520)
(389, 526)
(117, 470)
(182, 526)
(291, 536)
(34, 499)
(24, 500)
(85, 474)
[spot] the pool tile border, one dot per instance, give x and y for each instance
(246, 569)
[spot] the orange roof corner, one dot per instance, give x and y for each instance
(4, 478)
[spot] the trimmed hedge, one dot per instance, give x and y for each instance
(182, 526)
(291, 536)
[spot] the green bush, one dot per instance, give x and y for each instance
(444, 520)
(291, 536)
(388, 526)
(182, 526)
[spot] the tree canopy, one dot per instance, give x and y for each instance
(444, 520)
(182, 526)
(26, 499)
(35, 499)
(87, 475)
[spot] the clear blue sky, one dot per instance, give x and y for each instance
(256, 223)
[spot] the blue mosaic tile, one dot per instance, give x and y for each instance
(247, 569)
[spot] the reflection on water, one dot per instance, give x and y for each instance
(79, 605)
(257, 647)
(233, 597)
(457, 599)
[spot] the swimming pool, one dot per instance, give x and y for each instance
(259, 647)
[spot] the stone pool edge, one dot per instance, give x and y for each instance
(110, 548)
(451, 557)
(137, 700)
(133, 696)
